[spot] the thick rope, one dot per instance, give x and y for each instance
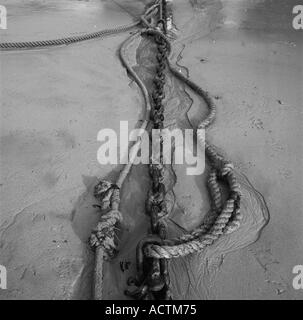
(27, 45)
(106, 192)
(219, 222)
(68, 40)
(103, 236)
(185, 248)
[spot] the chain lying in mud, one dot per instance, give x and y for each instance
(224, 218)
(153, 280)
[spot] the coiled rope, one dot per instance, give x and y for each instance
(223, 219)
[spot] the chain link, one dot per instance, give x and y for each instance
(153, 280)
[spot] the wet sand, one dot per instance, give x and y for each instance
(251, 60)
(55, 101)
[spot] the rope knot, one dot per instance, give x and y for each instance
(104, 233)
(104, 192)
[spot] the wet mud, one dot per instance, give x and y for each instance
(49, 162)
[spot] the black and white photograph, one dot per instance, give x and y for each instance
(151, 150)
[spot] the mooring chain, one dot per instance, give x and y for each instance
(224, 217)
(156, 204)
(153, 280)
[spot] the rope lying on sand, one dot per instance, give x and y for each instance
(103, 236)
(152, 251)
(67, 40)
(106, 192)
(223, 219)
(5, 46)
